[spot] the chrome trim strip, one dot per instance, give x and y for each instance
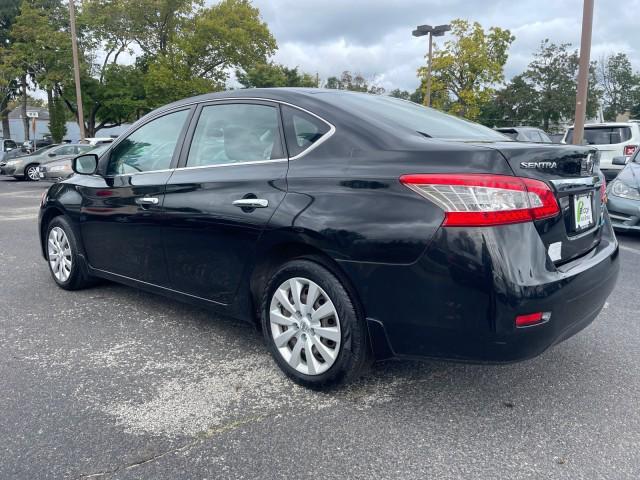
(580, 181)
(249, 162)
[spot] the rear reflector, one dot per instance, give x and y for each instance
(532, 319)
(483, 200)
(629, 150)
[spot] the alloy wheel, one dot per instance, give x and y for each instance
(32, 173)
(305, 326)
(59, 251)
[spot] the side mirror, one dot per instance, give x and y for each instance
(86, 164)
(619, 160)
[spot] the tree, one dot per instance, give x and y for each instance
(187, 49)
(397, 93)
(513, 105)
(619, 84)
(354, 83)
(553, 75)
(9, 10)
(264, 75)
(57, 119)
(40, 51)
(466, 68)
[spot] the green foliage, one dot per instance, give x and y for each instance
(353, 82)
(466, 68)
(553, 76)
(57, 119)
(545, 94)
(9, 10)
(265, 75)
(620, 85)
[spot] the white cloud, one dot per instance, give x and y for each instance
(373, 37)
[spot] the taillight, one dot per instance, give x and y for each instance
(531, 319)
(629, 150)
(481, 200)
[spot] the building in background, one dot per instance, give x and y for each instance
(39, 117)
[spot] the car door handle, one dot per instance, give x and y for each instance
(147, 201)
(251, 203)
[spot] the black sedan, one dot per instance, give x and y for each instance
(624, 195)
(351, 227)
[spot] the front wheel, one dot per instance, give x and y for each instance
(314, 332)
(66, 264)
(31, 173)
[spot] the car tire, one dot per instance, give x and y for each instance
(64, 256)
(31, 173)
(335, 334)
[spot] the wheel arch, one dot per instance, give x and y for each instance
(49, 214)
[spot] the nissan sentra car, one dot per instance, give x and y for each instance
(350, 227)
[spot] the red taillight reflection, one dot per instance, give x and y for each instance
(629, 150)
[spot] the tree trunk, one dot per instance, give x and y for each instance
(4, 114)
(25, 120)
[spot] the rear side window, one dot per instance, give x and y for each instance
(603, 135)
(150, 147)
(302, 130)
(235, 133)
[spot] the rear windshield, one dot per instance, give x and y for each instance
(427, 121)
(603, 135)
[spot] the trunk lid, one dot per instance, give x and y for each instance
(573, 174)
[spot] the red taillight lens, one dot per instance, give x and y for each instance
(532, 319)
(482, 200)
(629, 150)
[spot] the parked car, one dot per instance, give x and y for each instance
(623, 195)
(26, 167)
(556, 137)
(525, 134)
(349, 226)
(61, 169)
(31, 146)
(97, 140)
(613, 139)
(6, 146)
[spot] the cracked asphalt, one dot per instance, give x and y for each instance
(112, 382)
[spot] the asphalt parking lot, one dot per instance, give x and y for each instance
(112, 382)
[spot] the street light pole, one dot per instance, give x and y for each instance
(583, 72)
(437, 31)
(427, 100)
(76, 67)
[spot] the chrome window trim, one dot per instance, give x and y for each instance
(325, 137)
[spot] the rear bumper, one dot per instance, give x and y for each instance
(624, 213)
(460, 300)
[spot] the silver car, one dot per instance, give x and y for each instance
(60, 169)
(26, 167)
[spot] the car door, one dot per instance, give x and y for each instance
(230, 181)
(121, 215)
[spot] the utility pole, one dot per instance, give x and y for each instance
(437, 31)
(76, 67)
(583, 72)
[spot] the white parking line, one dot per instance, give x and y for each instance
(22, 193)
(629, 249)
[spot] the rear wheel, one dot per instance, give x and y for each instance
(66, 265)
(31, 173)
(313, 331)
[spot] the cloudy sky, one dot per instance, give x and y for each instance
(373, 37)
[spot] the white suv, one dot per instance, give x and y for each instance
(612, 139)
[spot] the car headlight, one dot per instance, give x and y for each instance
(11, 163)
(621, 189)
(59, 168)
